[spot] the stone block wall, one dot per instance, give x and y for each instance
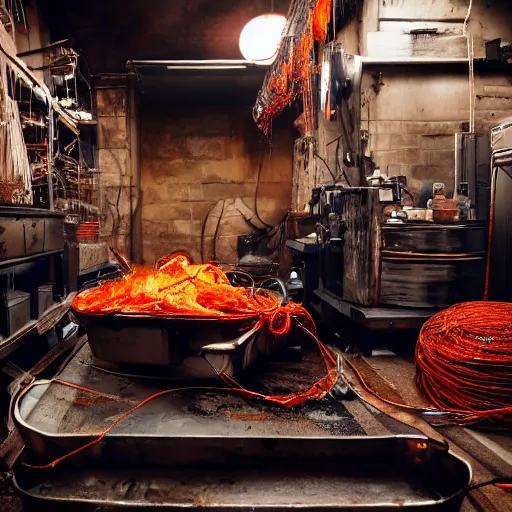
(410, 111)
(199, 172)
(114, 164)
(413, 118)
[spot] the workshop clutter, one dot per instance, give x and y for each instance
(177, 289)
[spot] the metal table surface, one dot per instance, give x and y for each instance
(63, 410)
(226, 452)
(304, 246)
(378, 318)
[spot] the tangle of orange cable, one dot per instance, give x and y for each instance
(291, 74)
(176, 287)
(464, 362)
(321, 19)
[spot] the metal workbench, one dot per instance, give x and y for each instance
(32, 245)
(374, 318)
(206, 449)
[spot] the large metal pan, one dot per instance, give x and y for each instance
(158, 340)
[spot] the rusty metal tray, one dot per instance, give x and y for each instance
(261, 474)
(209, 450)
(54, 419)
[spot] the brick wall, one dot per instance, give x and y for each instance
(412, 119)
(413, 112)
(114, 164)
(200, 160)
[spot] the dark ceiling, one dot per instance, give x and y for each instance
(110, 32)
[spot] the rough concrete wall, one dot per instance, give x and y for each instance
(413, 118)
(412, 113)
(411, 122)
(493, 100)
(114, 164)
(489, 19)
(204, 160)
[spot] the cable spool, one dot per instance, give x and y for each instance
(464, 362)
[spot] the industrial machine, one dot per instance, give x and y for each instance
(388, 266)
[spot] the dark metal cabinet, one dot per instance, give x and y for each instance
(53, 234)
(12, 238)
(432, 265)
(361, 214)
(26, 232)
(34, 235)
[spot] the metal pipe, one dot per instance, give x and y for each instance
(50, 154)
(368, 61)
(502, 156)
(43, 48)
(458, 162)
(205, 67)
(201, 63)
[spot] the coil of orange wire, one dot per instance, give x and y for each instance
(464, 362)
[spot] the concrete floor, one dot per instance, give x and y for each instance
(488, 452)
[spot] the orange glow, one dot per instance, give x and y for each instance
(290, 75)
(176, 287)
(321, 19)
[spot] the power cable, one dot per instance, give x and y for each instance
(326, 165)
(470, 46)
(258, 178)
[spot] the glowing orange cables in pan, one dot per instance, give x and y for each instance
(176, 287)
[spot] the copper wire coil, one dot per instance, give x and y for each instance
(464, 361)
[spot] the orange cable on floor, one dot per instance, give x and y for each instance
(177, 287)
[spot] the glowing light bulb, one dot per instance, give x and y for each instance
(260, 38)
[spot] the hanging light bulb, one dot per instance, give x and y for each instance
(260, 38)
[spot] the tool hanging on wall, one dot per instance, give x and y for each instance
(336, 90)
(340, 84)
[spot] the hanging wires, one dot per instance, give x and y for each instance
(16, 172)
(471, 59)
(290, 75)
(256, 190)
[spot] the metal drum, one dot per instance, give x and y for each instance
(432, 265)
